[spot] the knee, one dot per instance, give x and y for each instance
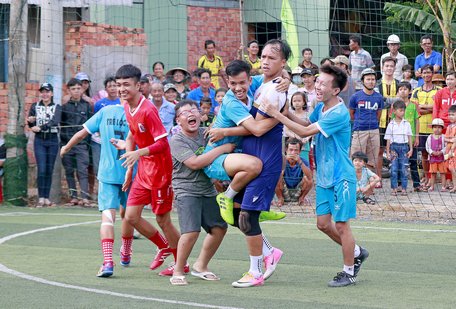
(131, 219)
(324, 226)
(255, 167)
(163, 221)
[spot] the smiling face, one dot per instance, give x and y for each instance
(451, 81)
(171, 95)
(111, 89)
(210, 50)
(46, 95)
(426, 45)
(253, 49)
(272, 61)
(427, 75)
(128, 89)
(307, 55)
(324, 87)
(452, 117)
(189, 118)
(205, 80)
(158, 70)
(358, 163)
(239, 85)
(388, 68)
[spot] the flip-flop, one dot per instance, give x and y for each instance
(178, 280)
(205, 275)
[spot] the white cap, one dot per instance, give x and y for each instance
(296, 70)
(393, 39)
(438, 122)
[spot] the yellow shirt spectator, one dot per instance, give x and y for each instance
(214, 66)
(422, 97)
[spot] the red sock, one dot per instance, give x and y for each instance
(126, 245)
(159, 240)
(106, 246)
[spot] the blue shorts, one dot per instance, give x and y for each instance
(259, 192)
(216, 170)
(339, 201)
(110, 196)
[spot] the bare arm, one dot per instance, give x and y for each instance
(352, 114)
(216, 134)
(76, 139)
(201, 161)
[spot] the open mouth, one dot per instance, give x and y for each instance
(192, 121)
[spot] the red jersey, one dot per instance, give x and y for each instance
(443, 99)
(154, 171)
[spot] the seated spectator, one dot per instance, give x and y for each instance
(170, 93)
(435, 146)
(296, 179)
(206, 116)
(366, 179)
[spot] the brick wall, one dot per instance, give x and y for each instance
(218, 24)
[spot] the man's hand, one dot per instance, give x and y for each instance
(269, 108)
(416, 142)
(204, 117)
(120, 144)
(131, 157)
(283, 85)
(409, 153)
(215, 134)
(35, 129)
(127, 180)
(31, 119)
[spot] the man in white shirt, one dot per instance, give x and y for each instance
(394, 43)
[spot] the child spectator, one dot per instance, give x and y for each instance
(206, 116)
(407, 76)
(450, 139)
(399, 146)
(435, 145)
(219, 94)
(299, 108)
(365, 178)
(170, 93)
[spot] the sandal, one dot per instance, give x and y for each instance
(404, 193)
(74, 201)
(420, 189)
(368, 200)
(394, 193)
(443, 189)
(178, 280)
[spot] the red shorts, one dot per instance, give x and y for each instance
(160, 199)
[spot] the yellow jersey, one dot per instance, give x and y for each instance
(255, 65)
(422, 97)
(214, 66)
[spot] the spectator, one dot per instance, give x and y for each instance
(429, 56)
(450, 139)
(342, 62)
(360, 59)
(435, 146)
(158, 70)
(206, 116)
(394, 43)
(43, 120)
(296, 82)
(219, 95)
(308, 78)
(299, 108)
(165, 108)
(213, 63)
(445, 98)
(366, 179)
(194, 83)
(438, 80)
(145, 87)
(204, 89)
(296, 179)
(307, 60)
(365, 109)
(74, 114)
(399, 147)
(179, 77)
(326, 61)
(407, 76)
(423, 96)
(251, 57)
(86, 91)
(171, 94)
(2, 161)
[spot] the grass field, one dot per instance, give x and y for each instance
(410, 266)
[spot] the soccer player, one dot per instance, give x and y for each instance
(110, 122)
(336, 178)
(152, 183)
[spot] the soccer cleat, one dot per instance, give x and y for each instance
(226, 208)
(106, 270)
(248, 280)
(125, 259)
(170, 269)
(342, 279)
(364, 254)
(271, 261)
(160, 257)
(272, 215)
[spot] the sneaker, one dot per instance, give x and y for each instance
(226, 208)
(248, 280)
(170, 269)
(272, 215)
(271, 261)
(125, 259)
(342, 279)
(106, 270)
(160, 257)
(364, 254)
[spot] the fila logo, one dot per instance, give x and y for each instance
(368, 105)
(141, 128)
(449, 101)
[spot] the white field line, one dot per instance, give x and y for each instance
(13, 272)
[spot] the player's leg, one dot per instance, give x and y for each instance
(127, 231)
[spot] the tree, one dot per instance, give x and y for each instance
(433, 15)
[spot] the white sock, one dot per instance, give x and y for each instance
(349, 269)
(230, 193)
(256, 265)
(267, 248)
(357, 250)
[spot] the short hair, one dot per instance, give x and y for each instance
(236, 67)
(360, 155)
(389, 58)
(399, 104)
(285, 48)
(404, 84)
(206, 100)
(73, 82)
(426, 37)
(155, 64)
(340, 77)
(427, 67)
(251, 42)
(201, 71)
(128, 71)
(293, 141)
(306, 49)
(221, 90)
(326, 59)
(108, 80)
(355, 38)
(183, 103)
(156, 82)
(208, 42)
(304, 97)
(407, 67)
(450, 73)
(452, 109)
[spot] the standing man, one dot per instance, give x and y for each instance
(394, 43)
(145, 87)
(342, 62)
(360, 59)
(165, 108)
(204, 89)
(213, 63)
(429, 56)
(336, 178)
(307, 60)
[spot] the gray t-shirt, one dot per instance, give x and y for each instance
(188, 182)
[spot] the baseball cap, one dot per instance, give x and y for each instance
(169, 86)
(144, 79)
(46, 86)
(296, 70)
(342, 59)
(438, 122)
(83, 76)
(307, 71)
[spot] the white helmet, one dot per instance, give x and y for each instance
(393, 39)
(297, 71)
(438, 122)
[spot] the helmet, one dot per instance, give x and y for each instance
(83, 76)
(297, 71)
(393, 39)
(438, 122)
(367, 71)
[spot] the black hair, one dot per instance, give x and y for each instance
(221, 90)
(389, 58)
(304, 97)
(426, 67)
(208, 42)
(355, 38)
(293, 141)
(155, 64)
(202, 71)
(407, 67)
(450, 73)
(284, 47)
(360, 155)
(399, 104)
(340, 77)
(128, 71)
(404, 84)
(236, 67)
(326, 59)
(73, 82)
(426, 37)
(251, 42)
(452, 109)
(306, 49)
(109, 79)
(183, 103)
(206, 100)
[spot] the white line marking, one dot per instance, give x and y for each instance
(13, 272)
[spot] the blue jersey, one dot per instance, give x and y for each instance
(366, 107)
(110, 121)
(332, 144)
